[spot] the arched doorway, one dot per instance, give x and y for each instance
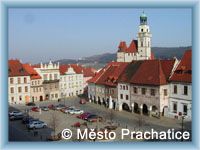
(145, 109)
(136, 108)
(99, 100)
(41, 98)
(125, 107)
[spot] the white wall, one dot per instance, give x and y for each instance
(25, 96)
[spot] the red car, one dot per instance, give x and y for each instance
(52, 107)
(36, 109)
(82, 101)
(84, 115)
(77, 124)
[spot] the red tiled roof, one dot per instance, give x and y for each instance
(122, 46)
(33, 74)
(88, 72)
(183, 72)
(131, 49)
(16, 69)
(129, 71)
(79, 69)
(109, 74)
(153, 72)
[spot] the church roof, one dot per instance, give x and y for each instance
(131, 49)
(183, 72)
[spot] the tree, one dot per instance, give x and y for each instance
(54, 122)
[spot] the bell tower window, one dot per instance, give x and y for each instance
(141, 30)
(141, 44)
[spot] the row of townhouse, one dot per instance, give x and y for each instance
(27, 83)
(160, 87)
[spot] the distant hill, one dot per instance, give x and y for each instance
(97, 61)
(169, 52)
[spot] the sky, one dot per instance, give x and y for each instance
(39, 35)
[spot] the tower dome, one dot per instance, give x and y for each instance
(143, 19)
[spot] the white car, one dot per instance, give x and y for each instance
(37, 125)
(15, 113)
(76, 111)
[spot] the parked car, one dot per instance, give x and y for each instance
(36, 109)
(44, 108)
(76, 111)
(94, 118)
(36, 125)
(84, 115)
(76, 125)
(15, 113)
(67, 110)
(30, 104)
(28, 120)
(16, 117)
(52, 107)
(82, 101)
(60, 106)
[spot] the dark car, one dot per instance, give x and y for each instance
(28, 120)
(94, 118)
(44, 108)
(84, 115)
(30, 104)
(16, 117)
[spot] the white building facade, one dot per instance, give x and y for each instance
(18, 83)
(71, 83)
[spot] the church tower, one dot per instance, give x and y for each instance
(144, 39)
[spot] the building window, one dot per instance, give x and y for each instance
(50, 76)
(175, 107)
(45, 76)
(12, 90)
(135, 90)
(175, 89)
(25, 80)
(56, 95)
(143, 91)
(141, 30)
(165, 92)
(20, 98)
(126, 87)
(19, 89)
(185, 90)
(121, 96)
(12, 99)
(26, 88)
(141, 44)
(11, 81)
(52, 95)
(18, 80)
(185, 109)
(55, 76)
(120, 87)
(126, 97)
(152, 92)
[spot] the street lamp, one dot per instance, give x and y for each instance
(182, 127)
